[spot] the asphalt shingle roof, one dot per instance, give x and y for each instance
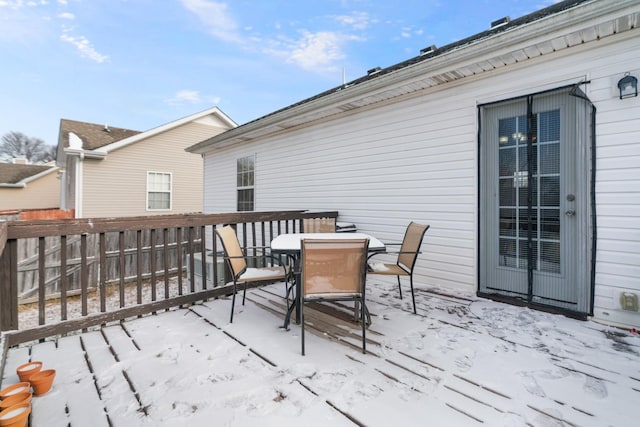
(14, 173)
(93, 135)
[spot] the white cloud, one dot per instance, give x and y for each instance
(317, 50)
(17, 4)
(216, 17)
(12, 4)
(67, 15)
(84, 47)
(192, 96)
(357, 20)
(188, 96)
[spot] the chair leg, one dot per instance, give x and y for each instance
(244, 293)
(363, 309)
(399, 287)
(366, 312)
(413, 297)
(233, 301)
(302, 324)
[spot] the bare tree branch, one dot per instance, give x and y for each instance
(16, 145)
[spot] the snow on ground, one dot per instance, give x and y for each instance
(458, 363)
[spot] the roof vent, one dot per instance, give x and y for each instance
(500, 22)
(373, 71)
(106, 128)
(427, 50)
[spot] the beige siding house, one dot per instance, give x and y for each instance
(119, 172)
(25, 186)
(516, 145)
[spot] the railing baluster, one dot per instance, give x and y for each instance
(179, 257)
(203, 258)
(122, 267)
(165, 259)
(41, 280)
(152, 262)
(139, 266)
(190, 260)
(253, 240)
(102, 242)
(214, 256)
(84, 273)
(263, 243)
(64, 278)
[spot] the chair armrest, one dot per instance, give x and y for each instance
(391, 252)
(272, 256)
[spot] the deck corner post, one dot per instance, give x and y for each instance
(9, 286)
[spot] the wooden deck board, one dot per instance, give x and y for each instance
(73, 394)
(447, 362)
(109, 376)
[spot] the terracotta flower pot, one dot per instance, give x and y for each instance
(14, 399)
(16, 415)
(13, 389)
(41, 381)
(25, 371)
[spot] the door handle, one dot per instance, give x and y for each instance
(570, 212)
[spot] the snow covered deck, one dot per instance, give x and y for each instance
(461, 361)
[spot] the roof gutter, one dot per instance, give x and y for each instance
(97, 155)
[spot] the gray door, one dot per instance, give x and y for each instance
(534, 200)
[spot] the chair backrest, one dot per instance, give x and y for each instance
(333, 267)
(319, 225)
(411, 245)
(232, 250)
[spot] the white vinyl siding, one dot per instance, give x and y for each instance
(415, 159)
(117, 185)
(158, 191)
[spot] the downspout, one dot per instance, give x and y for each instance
(78, 185)
(594, 218)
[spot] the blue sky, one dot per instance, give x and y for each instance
(138, 64)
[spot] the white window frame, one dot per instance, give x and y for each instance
(240, 187)
(154, 190)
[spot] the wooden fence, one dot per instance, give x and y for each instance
(85, 272)
(152, 241)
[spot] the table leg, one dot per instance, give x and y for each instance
(295, 304)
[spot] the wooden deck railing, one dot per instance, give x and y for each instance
(89, 272)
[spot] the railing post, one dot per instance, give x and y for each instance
(8, 283)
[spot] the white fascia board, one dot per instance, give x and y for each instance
(168, 126)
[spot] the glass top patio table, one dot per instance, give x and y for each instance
(290, 244)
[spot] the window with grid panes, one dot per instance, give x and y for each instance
(158, 191)
(245, 183)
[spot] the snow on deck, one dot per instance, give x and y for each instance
(459, 362)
